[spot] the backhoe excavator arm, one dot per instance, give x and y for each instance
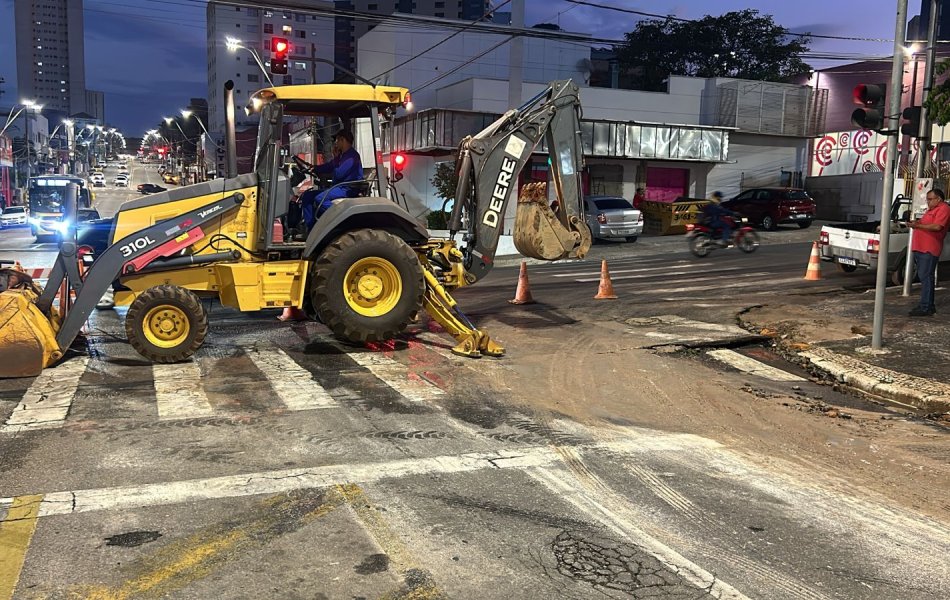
(489, 164)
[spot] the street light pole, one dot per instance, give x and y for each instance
(232, 44)
(894, 109)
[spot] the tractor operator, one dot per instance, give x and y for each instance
(346, 166)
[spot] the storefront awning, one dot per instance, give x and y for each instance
(438, 131)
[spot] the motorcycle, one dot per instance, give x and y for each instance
(703, 239)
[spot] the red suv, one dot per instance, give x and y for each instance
(770, 206)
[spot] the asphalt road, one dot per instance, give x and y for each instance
(620, 449)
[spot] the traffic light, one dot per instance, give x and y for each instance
(871, 98)
(399, 163)
(911, 121)
(279, 47)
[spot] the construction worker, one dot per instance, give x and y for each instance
(346, 166)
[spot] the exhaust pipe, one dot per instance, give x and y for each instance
(229, 134)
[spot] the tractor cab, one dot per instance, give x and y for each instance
(325, 109)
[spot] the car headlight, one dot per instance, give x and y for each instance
(62, 227)
(35, 221)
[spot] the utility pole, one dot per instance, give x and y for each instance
(29, 142)
(893, 110)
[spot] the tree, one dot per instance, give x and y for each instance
(938, 101)
(445, 180)
(740, 44)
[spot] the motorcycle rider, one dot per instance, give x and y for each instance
(714, 214)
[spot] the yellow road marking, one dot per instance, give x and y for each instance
(193, 558)
(422, 587)
(16, 531)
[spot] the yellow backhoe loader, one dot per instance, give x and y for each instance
(365, 269)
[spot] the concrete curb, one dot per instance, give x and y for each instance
(918, 392)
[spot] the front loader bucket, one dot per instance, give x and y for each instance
(540, 234)
(27, 337)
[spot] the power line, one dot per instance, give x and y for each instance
(683, 20)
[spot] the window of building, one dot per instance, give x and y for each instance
(268, 28)
(287, 29)
(253, 78)
(288, 80)
(301, 18)
(301, 34)
(251, 61)
(373, 7)
(300, 66)
(287, 16)
(440, 14)
(238, 25)
(252, 12)
(237, 8)
(440, 5)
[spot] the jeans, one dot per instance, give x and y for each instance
(314, 203)
(725, 231)
(927, 272)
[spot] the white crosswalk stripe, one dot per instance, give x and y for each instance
(179, 393)
(46, 403)
(749, 365)
(293, 384)
(411, 386)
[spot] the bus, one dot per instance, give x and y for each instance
(45, 196)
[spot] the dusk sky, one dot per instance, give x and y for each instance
(150, 57)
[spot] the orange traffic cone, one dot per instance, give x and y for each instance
(523, 293)
(813, 273)
(292, 313)
(606, 289)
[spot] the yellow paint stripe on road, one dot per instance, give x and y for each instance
(16, 531)
(422, 588)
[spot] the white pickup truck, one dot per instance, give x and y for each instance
(856, 246)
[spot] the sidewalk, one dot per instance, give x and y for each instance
(833, 336)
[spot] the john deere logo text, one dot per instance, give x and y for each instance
(502, 184)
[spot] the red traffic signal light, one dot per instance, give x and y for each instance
(871, 98)
(279, 48)
(162, 150)
(399, 162)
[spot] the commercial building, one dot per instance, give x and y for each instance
(310, 35)
(50, 54)
(698, 136)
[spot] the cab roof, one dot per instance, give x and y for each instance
(352, 100)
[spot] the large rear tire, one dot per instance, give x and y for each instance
(700, 245)
(166, 324)
(367, 286)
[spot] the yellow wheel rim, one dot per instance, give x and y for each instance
(166, 326)
(372, 286)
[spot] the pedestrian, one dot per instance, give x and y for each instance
(927, 245)
(639, 197)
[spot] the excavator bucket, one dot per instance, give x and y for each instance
(27, 336)
(540, 234)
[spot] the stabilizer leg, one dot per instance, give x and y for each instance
(472, 343)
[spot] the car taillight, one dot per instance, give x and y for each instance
(690, 226)
(874, 246)
(602, 218)
(823, 239)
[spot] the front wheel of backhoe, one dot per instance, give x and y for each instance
(367, 286)
(166, 324)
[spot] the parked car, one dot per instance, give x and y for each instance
(150, 188)
(13, 216)
(121, 180)
(769, 207)
(613, 218)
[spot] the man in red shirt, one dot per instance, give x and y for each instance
(929, 231)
